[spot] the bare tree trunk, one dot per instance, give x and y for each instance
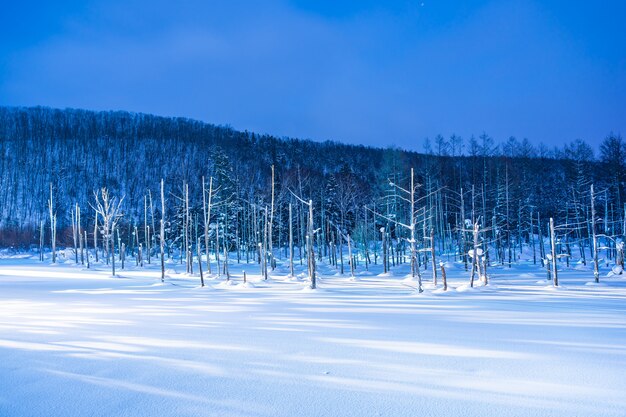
(146, 228)
(217, 247)
(340, 238)
(151, 230)
(271, 226)
(95, 235)
(432, 254)
(484, 262)
(53, 227)
(596, 270)
(350, 257)
(414, 264)
(384, 244)
(112, 249)
(73, 216)
(87, 250)
(310, 250)
(462, 233)
(366, 243)
(148, 244)
(186, 227)
(581, 240)
(162, 242)
(226, 272)
(41, 240)
(291, 272)
(532, 238)
(264, 245)
(200, 262)
(80, 236)
(443, 276)
(136, 241)
(475, 255)
(508, 224)
(206, 206)
(553, 248)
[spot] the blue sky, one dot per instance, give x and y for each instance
(372, 72)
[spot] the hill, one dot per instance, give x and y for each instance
(78, 151)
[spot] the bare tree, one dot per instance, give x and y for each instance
(206, 211)
(200, 262)
(478, 254)
(596, 272)
(41, 240)
(109, 209)
(53, 226)
(95, 235)
(271, 226)
(411, 199)
(553, 251)
(309, 241)
(162, 240)
(291, 273)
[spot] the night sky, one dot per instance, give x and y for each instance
(371, 72)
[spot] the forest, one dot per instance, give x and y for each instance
(149, 187)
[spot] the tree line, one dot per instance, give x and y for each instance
(268, 194)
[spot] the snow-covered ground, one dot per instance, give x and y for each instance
(76, 342)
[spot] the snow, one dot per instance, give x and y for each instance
(76, 342)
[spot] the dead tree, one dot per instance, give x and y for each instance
(206, 210)
(473, 254)
(432, 254)
(476, 253)
(345, 236)
(443, 276)
(265, 245)
(553, 250)
(532, 238)
(87, 250)
(200, 262)
(162, 240)
(271, 226)
(53, 227)
(309, 241)
(291, 273)
(80, 235)
(217, 248)
(152, 230)
(340, 236)
(41, 240)
(462, 219)
(186, 227)
(226, 271)
(95, 235)
(109, 209)
(146, 228)
(74, 233)
(619, 257)
(596, 271)
(384, 248)
(75, 240)
(410, 193)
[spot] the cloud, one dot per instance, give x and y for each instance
(370, 74)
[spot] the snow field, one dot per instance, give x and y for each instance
(77, 342)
